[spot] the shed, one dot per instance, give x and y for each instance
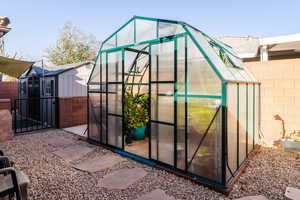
(61, 92)
(165, 93)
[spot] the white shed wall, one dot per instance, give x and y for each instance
(73, 83)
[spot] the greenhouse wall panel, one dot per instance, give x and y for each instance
(242, 123)
(232, 128)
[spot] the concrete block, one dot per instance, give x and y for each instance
(6, 131)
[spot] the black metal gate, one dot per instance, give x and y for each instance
(34, 114)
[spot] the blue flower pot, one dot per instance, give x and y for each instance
(138, 133)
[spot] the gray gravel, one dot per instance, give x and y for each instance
(52, 178)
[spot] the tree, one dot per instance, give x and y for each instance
(72, 46)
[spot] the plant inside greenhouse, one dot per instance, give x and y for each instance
(165, 93)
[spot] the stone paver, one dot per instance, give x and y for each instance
(59, 141)
(157, 194)
(122, 179)
(292, 193)
(73, 152)
(259, 197)
(78, 130)
(99, 163)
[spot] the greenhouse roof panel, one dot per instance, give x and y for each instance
(140, 30)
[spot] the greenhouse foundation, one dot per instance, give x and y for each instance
(164, 93)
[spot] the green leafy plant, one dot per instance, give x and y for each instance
(136, 110)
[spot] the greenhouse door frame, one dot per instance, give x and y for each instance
(105, 55)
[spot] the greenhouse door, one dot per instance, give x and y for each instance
(136, 104)
(126, 70)
(113, 99)
(163, 92)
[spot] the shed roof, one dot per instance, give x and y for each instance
(53, 70)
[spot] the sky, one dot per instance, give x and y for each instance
(36, 23)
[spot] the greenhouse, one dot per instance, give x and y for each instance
(165, 93)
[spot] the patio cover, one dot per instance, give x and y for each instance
(13, 67)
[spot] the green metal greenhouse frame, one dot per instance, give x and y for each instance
(206, 122)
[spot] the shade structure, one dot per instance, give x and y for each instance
(13, 67)
(198, 104)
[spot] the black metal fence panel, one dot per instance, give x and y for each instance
(34, 114)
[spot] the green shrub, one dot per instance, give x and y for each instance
(136, 110)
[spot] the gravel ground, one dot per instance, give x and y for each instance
(52, 178)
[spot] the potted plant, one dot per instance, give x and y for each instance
(136, 114)
(292, 142)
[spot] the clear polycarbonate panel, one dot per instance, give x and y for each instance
(181, 133)
(115, 131)
(211, 54)
(115, 99)
(162, 143)
(129, 60)
(250, 75)
(250, 117)
(167, 29)
(94, 116)
(114, 68)
(162, 64)
(245, 75)
(207, 158)
(181, 65)
(162, 107)
(229, 58)
(236, 60)
(103, 73)
(126, 35)
(95, 87)
(201, 77)
(109, 44)
(103, 119)
(242, 122)
(230, 52)
(232, 141)
(95, 75)
(236, 73)
(145, 30)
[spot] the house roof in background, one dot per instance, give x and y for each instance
(244, 46)
(248, 46)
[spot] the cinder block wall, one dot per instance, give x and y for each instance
(72, 111)
(9, 90)
(280, 94)
(5, 104)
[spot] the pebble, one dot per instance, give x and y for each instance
(270, 172)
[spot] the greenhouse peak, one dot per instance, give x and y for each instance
(140, 31)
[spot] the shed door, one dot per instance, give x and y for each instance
(47, 101)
